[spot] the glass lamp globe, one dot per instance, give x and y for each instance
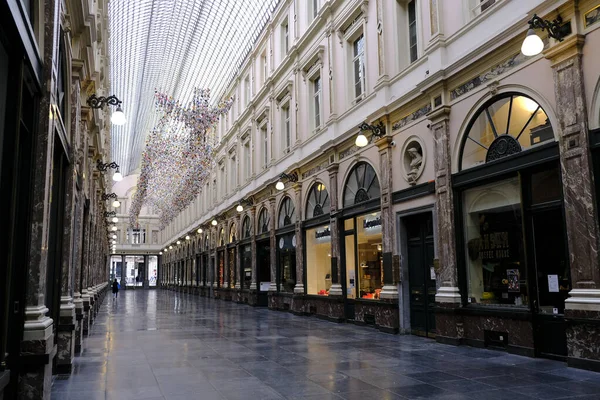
(532, 45)
(116, 204)
(187, 238)
(165, 249)
(115, 220)
(279, 185)
(114, 236)
(160, 253)
(361, 140)
(170, 247)
(114, 228)
(118, 117)
(199, 230)
(179, 242)
(117, 176)
(214, 222)
(239, 208)
(114, 242)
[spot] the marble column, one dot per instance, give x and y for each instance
(273, 244)
(581, 213)
(447, 291)
(66, 325)
(299, 287)
(390, 288)
(238, 258)
(226, 271)
(254, 223)
(336, 270)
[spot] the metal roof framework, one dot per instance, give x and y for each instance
(174, 46)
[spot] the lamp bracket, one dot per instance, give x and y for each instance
(99, 102)
(376, 130)
(247, 202)
(554, 27)
(109, 196)
(292, 176)
(110, 214)
(105, 166)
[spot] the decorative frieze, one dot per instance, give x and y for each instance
(489, 74)
(421, 112)
(315, 169)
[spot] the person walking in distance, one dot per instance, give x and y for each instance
(115, 288)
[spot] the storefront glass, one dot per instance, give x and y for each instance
(287, 262)
(152, 270)
(369, 252)
(134, 271)
(115, 268)
(494, 248)
(318, 260)
(246, 279)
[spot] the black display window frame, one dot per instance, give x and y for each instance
(523, 165)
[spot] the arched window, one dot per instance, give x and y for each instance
(318, 202)
(263, 221)
(246, 228)
(222, 237)
(362, 185)
(232, 233)
(505, 125)
(287, 213)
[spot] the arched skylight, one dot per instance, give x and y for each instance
(174, 46)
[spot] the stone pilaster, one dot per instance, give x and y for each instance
(226, 271)
(390, 288)
(447, 291)
(273, 244)
(581, 213)
(146, 282)
(123, 273)
(336, 270)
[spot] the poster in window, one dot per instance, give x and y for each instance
(512, 276)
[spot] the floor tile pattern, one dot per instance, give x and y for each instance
(157, 344)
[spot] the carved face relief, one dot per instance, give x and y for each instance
(413, 160)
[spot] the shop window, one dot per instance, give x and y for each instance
(206, 243)
(507, 125)
(232, 233)
(222, 237)
(318, 202)
(318, 260)
(287, 213)
(362, 185)
(369, 252)
(494, 249)
(287, 262)
(246, 228)
(263, 221)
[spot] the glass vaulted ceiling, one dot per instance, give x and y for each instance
(173, 46)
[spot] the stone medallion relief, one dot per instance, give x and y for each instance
(413, 159)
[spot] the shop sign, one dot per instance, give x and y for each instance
(372, 223)
(322, 233)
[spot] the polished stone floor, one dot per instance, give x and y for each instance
(166, 345)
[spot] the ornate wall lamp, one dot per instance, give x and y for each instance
(112, 214)
(244, 202)
(533, 45)
(113, 165)
(115, 203)
(118, 117)
(376, 131)
(291, 177)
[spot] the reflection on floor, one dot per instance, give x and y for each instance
(165, 345)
